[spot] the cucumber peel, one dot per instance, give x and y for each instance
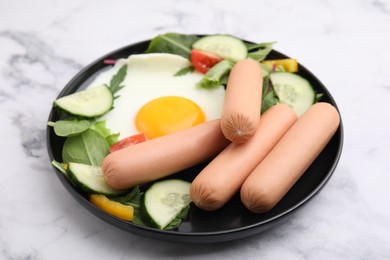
(90, 179)
(164, 201)
(89, 103)
(294, 91)
(224, 46)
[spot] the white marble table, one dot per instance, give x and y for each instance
(44, 43)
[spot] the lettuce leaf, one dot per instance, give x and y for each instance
(102, 129)
(216, 75)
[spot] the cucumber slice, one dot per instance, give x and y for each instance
(164, 200)
(92, 102)
(293, 90)
(224, 46)
(90, 179)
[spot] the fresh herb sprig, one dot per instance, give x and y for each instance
(117, 79)
(184, 71)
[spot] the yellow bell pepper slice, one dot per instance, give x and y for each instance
(289, 65)
(125, 212)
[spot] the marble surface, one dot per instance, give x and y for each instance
(44, 43)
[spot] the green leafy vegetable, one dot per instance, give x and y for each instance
(137, 218)
(267, 69)
(318, 97)
(180, 44)
(60, 167)
(89, 147)
(102, 129)
(131, 198)
(117, 79)
(214, 76)
(184, 71)
(112, 139)
(178, 219)
(269, 97)
(72, 127)
(269, 100)
(259, 51)
(224, 79)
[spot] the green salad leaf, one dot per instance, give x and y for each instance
(60, 167)
(131, 198)
(318, 97)
(102, 129)
(175, 43)
(117, 79)
(259, 51)
(216, 74)
(269, 97)
(184, 71)
(71, 127)
(89, 147)
(178, 219)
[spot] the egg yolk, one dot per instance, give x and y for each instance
(165, 115)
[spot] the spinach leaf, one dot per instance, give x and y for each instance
(178, 219)
(130, 198)
(137, 219)
(180, 44)
(117, 79)
(102, 129)
(269, 100)
(184, 71)
(134, 198)
(216, 74)
(269, 97)
(259, 51)
(67, 128)
(89, 147)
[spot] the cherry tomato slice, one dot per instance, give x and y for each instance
(131, 140)
(203, 61)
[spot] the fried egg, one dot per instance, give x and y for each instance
(155, 102)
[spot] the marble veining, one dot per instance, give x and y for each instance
(43, 44)
(384, 6)
(28, 69)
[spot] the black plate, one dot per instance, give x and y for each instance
(231, 222)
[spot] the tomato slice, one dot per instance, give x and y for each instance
(203, 61)
(131, 140)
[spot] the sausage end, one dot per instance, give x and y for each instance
(257, 199)
(204, 197)
(110, 173)
(238, 128)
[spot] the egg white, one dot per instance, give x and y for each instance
(150, 76)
